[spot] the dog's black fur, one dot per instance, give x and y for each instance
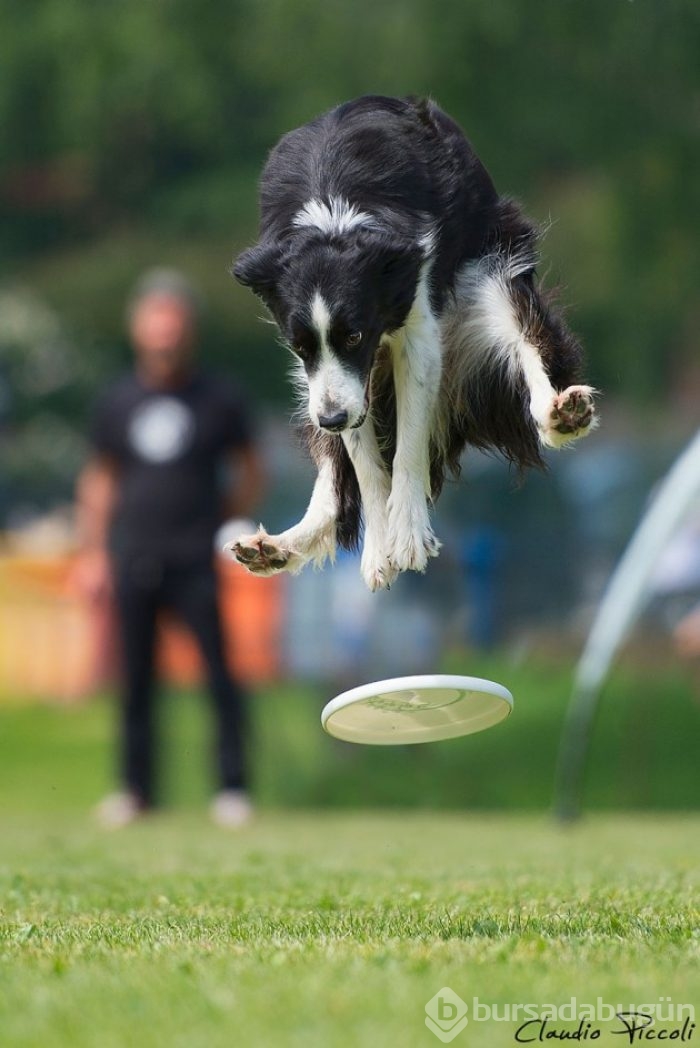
(408, 165)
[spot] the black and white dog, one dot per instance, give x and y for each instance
(405, 288)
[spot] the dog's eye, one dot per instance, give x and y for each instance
(353, 339)
(301, 352)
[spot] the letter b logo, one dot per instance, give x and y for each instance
(447, 1010)
(446, 1014)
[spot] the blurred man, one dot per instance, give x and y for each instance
(166, 437)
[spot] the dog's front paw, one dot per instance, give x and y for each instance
(376, 569)
(261, 554)
(411, 540)
(571, 415)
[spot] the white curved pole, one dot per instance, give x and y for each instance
(624, 598)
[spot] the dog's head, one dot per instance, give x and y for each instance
(333, 301)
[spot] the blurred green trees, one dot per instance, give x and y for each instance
(132, 132)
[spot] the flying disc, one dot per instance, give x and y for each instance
(416, 709)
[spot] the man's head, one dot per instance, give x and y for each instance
(162, 316)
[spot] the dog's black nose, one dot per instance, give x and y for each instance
(334, 422)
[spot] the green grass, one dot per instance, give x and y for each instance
(334, 927)
(327, 929)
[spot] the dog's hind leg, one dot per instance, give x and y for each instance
(505, 322)
(312, 539)
(417, 359)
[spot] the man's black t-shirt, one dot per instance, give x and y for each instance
(169, 447)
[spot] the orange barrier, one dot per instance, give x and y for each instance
(55, 645)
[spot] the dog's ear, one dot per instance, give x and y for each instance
(259, 269)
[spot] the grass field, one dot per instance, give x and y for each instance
(327, 929)
(317, 928)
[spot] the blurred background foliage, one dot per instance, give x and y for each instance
(133, 133)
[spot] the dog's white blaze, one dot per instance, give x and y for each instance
(321, 320)
(332, 388)
(336, 217)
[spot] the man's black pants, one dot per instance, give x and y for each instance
(142, 588)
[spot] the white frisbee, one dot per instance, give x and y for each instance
(416, 709)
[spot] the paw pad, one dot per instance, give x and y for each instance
(258, 555)
(573, 411)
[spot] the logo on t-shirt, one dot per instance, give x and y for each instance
(161, 429)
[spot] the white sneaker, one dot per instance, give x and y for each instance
(231, 809)
(119, 809)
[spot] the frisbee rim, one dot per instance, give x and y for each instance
(418, 682)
